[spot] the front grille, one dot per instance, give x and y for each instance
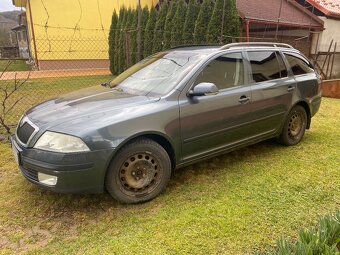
(30, 174)
(24, 132)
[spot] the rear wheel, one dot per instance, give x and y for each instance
(294, 127)
(139, 172)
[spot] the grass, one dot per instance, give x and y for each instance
(16, 65)
(239, 203)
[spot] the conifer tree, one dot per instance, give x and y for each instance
(149, 32)
(112, 35)
(215, 24)
(168, 25)
(121, 42)
(202, 22)
(231, 26)
(117, 40)
(189, 24)
(127, 37)
(133, 36)
(145, 18)
(159, 28)
(177, 24)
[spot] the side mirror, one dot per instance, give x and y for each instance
(203, 89)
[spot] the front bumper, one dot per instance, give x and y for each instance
(76, 172)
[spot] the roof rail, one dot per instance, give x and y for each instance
(231, 45)
(194, 45)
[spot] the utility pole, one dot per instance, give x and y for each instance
(139, 32)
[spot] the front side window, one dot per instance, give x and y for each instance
(298, 65)
(266, 65)
(226, 71)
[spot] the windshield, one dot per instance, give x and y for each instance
(156, 75)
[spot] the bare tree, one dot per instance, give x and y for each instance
(8, 92)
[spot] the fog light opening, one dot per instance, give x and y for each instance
(47, 179)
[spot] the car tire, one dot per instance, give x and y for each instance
(294, 127)
(139, 172)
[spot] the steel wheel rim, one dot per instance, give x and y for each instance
(295, 125)
(140, 174)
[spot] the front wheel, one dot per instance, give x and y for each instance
(139, 172)
(294, 127)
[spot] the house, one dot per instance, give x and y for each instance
(68, 34)
(329, 12)
(279, 20)
(21, 36)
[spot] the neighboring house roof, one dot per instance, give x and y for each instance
(330, 8)
(267, 11)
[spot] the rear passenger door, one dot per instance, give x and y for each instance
(272, 90)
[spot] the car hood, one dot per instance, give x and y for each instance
(82, 103)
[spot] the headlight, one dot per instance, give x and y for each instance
(51, 141)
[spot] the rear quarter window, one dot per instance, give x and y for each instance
(298, 64)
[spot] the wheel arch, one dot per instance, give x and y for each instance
(305, 105)
(157, 137)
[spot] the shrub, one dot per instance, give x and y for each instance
(324, 239)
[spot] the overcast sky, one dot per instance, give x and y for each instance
(6, 5)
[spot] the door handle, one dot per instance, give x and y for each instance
(290, 88)
(244, 99)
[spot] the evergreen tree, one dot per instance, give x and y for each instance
(214, 27)
(149, 32)
(189, 24)
(231, 26)
(177, 23)
(127, 38)
(168, 25)
(112, 35)
(133, 36)
(202, 22)
(121, 42)
(117, 40)
(145, 18)
(158, 35)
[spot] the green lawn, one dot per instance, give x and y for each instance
(239, 203)
(16, 65)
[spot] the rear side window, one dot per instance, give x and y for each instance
(266, 65)
(225, 71)
(298, 65)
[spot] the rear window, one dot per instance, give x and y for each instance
(266, 65)
(298, 65)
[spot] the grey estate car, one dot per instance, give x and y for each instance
(171, 109)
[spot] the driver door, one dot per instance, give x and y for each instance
(213, 123)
